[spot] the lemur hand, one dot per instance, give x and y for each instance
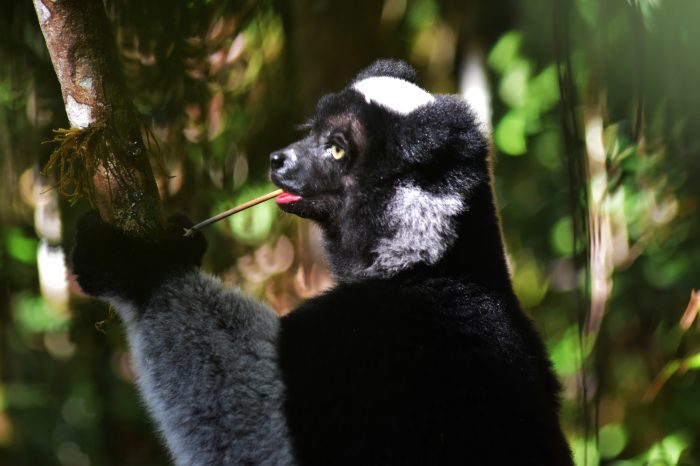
(110, 263)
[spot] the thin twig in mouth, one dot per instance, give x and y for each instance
(234, 210)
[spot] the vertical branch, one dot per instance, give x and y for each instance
(640, 61)
(578, 177)
(103, 156)
(5, 309)
(600, 223)
(576, 158)
(68, 28)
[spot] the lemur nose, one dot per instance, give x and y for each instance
(277, 159)
(282, 161)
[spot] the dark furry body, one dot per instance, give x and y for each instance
(428, 372)
(438, 365)
(435, 363)
(420, 355)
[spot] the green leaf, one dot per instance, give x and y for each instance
(612, 439)
(587, 10)
(543, 89)
(513, 89)
(21, 248)
(585, 453)
(668, 451)
(252, 226)
(505, 51)
(510, 133)
(529, 284)
(568, 351)
(34, 315)
(561, 236)
(693, 362)
(422, 14)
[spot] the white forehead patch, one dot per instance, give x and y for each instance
(395, 94)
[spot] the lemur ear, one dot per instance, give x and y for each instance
(446, 127)
(388, 67)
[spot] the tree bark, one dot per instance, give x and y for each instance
(326, 47)
(120, 182)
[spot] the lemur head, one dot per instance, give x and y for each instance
(386, 170)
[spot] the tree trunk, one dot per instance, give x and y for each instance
(103, 155)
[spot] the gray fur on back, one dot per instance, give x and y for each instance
(207, 369)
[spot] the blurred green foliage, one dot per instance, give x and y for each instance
(20, 247)
(221, 83)
(253, 226)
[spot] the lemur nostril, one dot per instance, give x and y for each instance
(277, 160)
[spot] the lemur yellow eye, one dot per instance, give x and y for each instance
(337, 152)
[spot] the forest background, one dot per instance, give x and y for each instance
(593, 109)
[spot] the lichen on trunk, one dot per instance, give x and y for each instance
(103, 155)
(107, 164)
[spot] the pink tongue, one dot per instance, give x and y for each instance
(287, 198)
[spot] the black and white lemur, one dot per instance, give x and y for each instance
(420, 355)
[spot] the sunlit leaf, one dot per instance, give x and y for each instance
(587, 9)
(513, 89)
(562, 236)
(22, 248)
(585, 453)
(505, 52)
(627, 463)
(612, 439)
(34, 315)
(529, 283)
(422, 13)
(669, 370)
(252, 226)
(510, 134)
(568, 351)
(543, 89)
(668, 451)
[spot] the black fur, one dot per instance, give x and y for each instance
(420, 356)
(388, 67)
(418, 371)
(435, 364)
(110, 262)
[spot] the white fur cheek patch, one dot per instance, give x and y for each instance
(395, 94)
(423, 226)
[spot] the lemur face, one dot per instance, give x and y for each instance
(317, 170)
(350, 148)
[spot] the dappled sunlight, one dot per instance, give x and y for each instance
(474, 87)
(604, 255)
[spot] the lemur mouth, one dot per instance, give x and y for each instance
(287, 198)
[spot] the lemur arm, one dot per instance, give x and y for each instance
(206, 356)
